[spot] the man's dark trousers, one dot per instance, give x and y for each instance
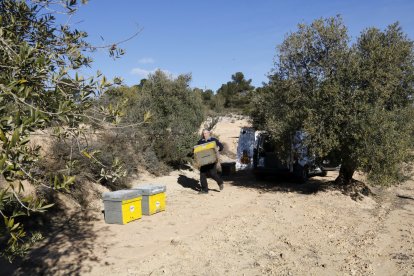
(211, 171)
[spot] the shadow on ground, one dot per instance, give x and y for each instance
(188, 182)
(357, 190)
(246, 179)
(67, 248)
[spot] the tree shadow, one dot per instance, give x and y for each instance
(187, 182)
(180, 166)
(356, 190)
(67, 247)
(282, 184)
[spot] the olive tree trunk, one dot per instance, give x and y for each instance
(346, 173)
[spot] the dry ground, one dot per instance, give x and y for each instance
(250, 228)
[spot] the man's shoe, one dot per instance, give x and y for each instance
(221, 187)
(203, 192)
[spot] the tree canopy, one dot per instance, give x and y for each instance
(177, 113)
(39, 89)
(236, 92)
(354, 100)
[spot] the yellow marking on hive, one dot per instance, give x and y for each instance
(206, 146)
(131, 209)
(156, 203)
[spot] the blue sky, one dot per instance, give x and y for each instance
(214, 39)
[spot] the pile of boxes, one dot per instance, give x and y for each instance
(124, 206)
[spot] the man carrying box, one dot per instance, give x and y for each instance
(209, 169)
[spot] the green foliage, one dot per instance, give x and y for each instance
(39, 89)
(355, 102)
(207, 97)
(177, 113)
(235, 93)
(211, 122)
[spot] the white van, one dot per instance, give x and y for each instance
(258, 152)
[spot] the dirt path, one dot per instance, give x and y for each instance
(283, 229)
(254, 232)
(250, 228)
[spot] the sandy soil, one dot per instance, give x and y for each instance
(250, 228)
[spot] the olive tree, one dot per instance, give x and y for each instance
(40, 88)
(177, 113)
(355, 101)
